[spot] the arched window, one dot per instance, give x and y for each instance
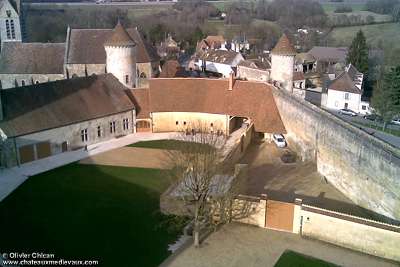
(143, 75)
(23, 83)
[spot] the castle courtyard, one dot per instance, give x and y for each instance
(286, 181)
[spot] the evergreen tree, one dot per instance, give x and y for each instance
(386, 96)
(358, 53)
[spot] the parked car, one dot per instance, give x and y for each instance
(373, 117)
(346, 111)
(396, 121)
(279, 140)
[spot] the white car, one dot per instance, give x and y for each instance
(346, 111)
(396, 121)
(279, 140)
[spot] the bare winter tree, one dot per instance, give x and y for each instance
(201, 183)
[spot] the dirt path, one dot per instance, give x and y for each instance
(131, 157)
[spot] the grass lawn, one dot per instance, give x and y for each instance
(166, 144)
(372, 125)
(88, 212)
(293, 259)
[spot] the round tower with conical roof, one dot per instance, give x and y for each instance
(121, 56)
(282, 63)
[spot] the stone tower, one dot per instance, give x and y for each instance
(282, 63)
(10, 21)
(121, 56)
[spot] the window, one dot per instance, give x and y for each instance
(23, 83)
(184, 123)
(143, 75)
(212, 124)
(98, 131)
(112, 127)
(8, 29)
(8, 12)
(125, 124)
(12, 29)
(347, 96)
(84, 135)
(37, 82)
(177, 123)
(126, 79)
(363, 107)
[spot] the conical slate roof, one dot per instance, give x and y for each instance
(119, 37)
(284, 47)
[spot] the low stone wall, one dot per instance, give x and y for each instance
(352, 232)
(367, 236)
(364, 168)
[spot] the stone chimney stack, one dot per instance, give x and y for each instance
(231, 80)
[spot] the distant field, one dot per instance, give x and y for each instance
(330, 7)
(364, 14)
(232, 30)
(388, 34)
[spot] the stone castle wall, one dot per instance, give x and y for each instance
(361, 166)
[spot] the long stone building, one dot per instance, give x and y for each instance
(83, 54)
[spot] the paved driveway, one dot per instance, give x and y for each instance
(238, 245)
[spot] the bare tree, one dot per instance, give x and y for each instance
(203, 187)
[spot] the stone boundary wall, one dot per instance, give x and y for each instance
(367, 236)
(364, 168)
(364, 235)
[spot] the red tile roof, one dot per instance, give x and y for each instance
(247, 99)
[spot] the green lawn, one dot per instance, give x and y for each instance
(293, 259)
(89, 212)
(166, 144)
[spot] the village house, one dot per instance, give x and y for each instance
(220, 62)
(254, 70)
(168, 48)
(345, 92)
(210, 42)
(327, 56)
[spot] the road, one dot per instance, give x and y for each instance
(388, 138)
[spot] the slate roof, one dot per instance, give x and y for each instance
(284, 47)
(255, 64)
(50, 105)
(330, 54)
(32, 58)
(119, 37)
(247, 99)
(344, 83)
(86, 46)
(220, 56)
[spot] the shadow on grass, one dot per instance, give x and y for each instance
(88, 212)
(293, 259)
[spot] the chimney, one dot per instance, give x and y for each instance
(231, 80)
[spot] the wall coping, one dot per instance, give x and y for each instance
(376, 141)
(352, 218)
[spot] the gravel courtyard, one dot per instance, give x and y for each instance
(238, 245)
